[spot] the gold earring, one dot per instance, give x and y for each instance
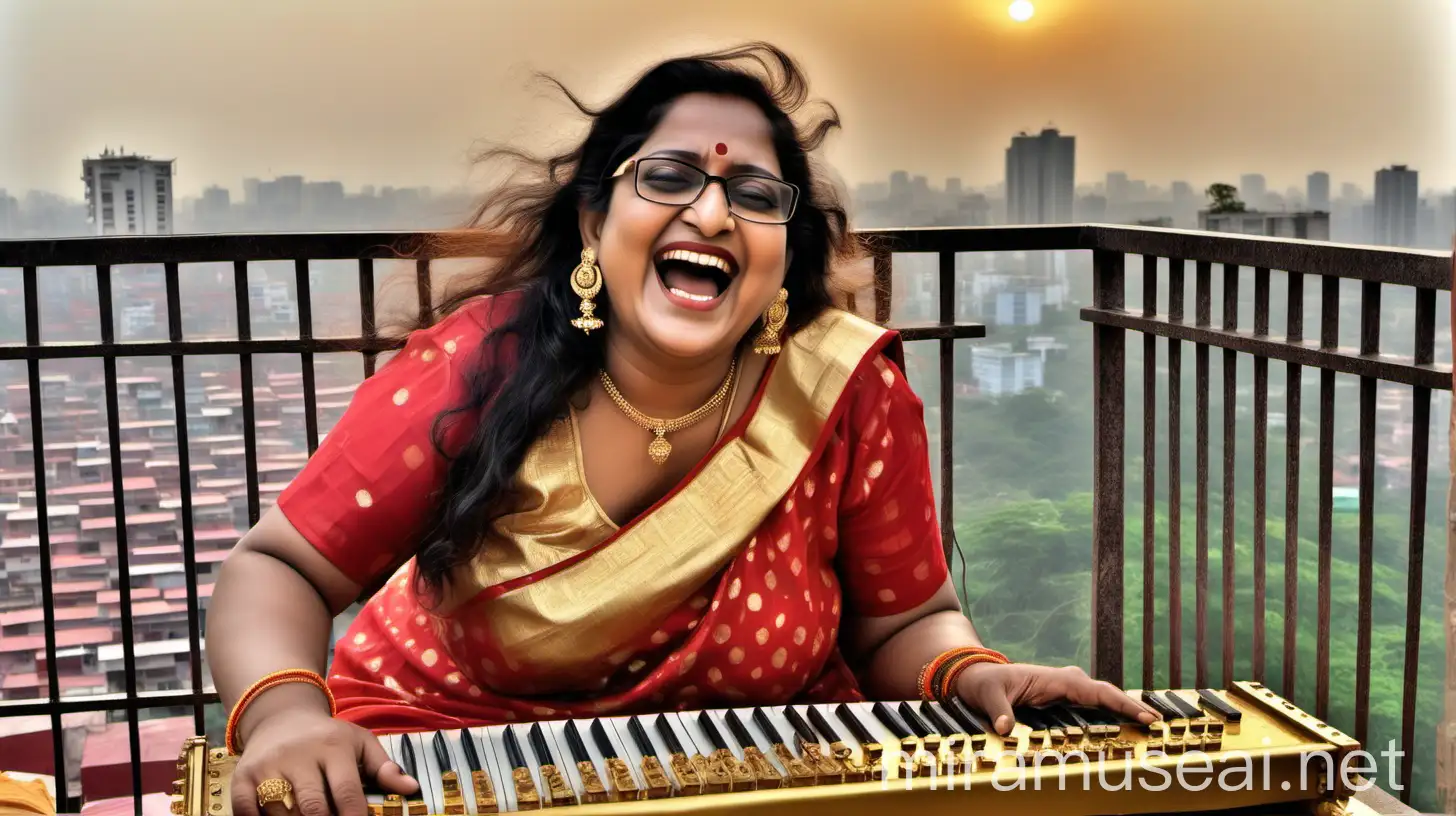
(586, 282)
(768, 340)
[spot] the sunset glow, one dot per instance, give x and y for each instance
(1021, 10)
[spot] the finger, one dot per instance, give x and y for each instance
(309, 795)
(383, 770)
(1104, 695)
(243, 794)
(341, 774)
(991, 698)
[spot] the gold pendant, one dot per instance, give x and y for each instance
(659, 449)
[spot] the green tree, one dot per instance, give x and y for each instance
(1224, 198)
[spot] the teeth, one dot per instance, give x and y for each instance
(699, 258)
(690, 296)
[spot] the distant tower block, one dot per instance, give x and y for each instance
(127, 194)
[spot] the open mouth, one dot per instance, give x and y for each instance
(694, 277)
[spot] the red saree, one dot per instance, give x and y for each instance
(730, 590)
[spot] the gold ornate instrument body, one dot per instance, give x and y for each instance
(1054, 761)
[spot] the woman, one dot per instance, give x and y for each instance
(550, 550)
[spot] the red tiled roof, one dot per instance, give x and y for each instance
(160, 740)
(64, 613)
(112, 596)
(67, 682)
(180, 593)
(87, 636)
(149, 608)
(128, 483)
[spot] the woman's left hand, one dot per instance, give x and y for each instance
(994, 688)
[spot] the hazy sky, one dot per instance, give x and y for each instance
(397, 91)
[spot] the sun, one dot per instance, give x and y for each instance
(1021, 10)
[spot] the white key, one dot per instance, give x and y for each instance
(620, 736)
(461, 768)
(556, 757)
(429, 772)
(882, 734)
(495, 764)
(649, 724)
(493, 738)
(847, 736)
(760, 738)
(565, 760)
(689, 734)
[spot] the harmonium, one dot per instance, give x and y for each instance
(1243, 748)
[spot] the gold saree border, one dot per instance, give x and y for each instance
(564, 621)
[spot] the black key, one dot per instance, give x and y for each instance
(937, 720)
(918, 726)
(962, 714)
(710, 730)
(763, 722)
(514, 754)
(538, 744)
(1185, 708)
(1030, 717)
(407, 756)
(1158, 704)
(442, 753)
(639, 737)
(856, 727)
(887, 718)
(1065, 718)
(821, 724)
(467, 746)
(740, 732)
(604, 744)
(800, 726)
(574, 743)
(1093, 716)
(1212, 702)
(664, 730)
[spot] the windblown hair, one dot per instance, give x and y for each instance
(527, 230)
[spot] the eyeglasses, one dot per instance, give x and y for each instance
(760, 199)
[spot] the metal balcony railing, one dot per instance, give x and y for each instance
(1166, 256)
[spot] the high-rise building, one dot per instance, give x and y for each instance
(9, 216)
(1317, 191)
(127, 194)
(1117, 188)
(1253, 190)
(1040, 178)
(1396, 199)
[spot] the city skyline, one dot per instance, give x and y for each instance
(338, 94)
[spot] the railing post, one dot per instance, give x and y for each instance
(1108, 371)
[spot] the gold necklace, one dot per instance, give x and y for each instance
(659, 448)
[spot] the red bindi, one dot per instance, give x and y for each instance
(721, 148)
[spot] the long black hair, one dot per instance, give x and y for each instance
(528, 228)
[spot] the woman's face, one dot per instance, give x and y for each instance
(668, 302)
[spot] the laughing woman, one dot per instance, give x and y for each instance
(642, 464)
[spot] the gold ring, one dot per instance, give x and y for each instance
(274, 790)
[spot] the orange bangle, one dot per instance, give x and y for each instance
(947, 683)
(929, 682)
(266, 682)
(925, 683)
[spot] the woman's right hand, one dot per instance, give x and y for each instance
(321, 757)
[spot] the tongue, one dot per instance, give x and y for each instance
(690, 283)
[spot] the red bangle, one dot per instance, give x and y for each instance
(929, 681)
(264, 683)
(947, 684)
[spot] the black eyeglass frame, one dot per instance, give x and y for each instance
(634, 164)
